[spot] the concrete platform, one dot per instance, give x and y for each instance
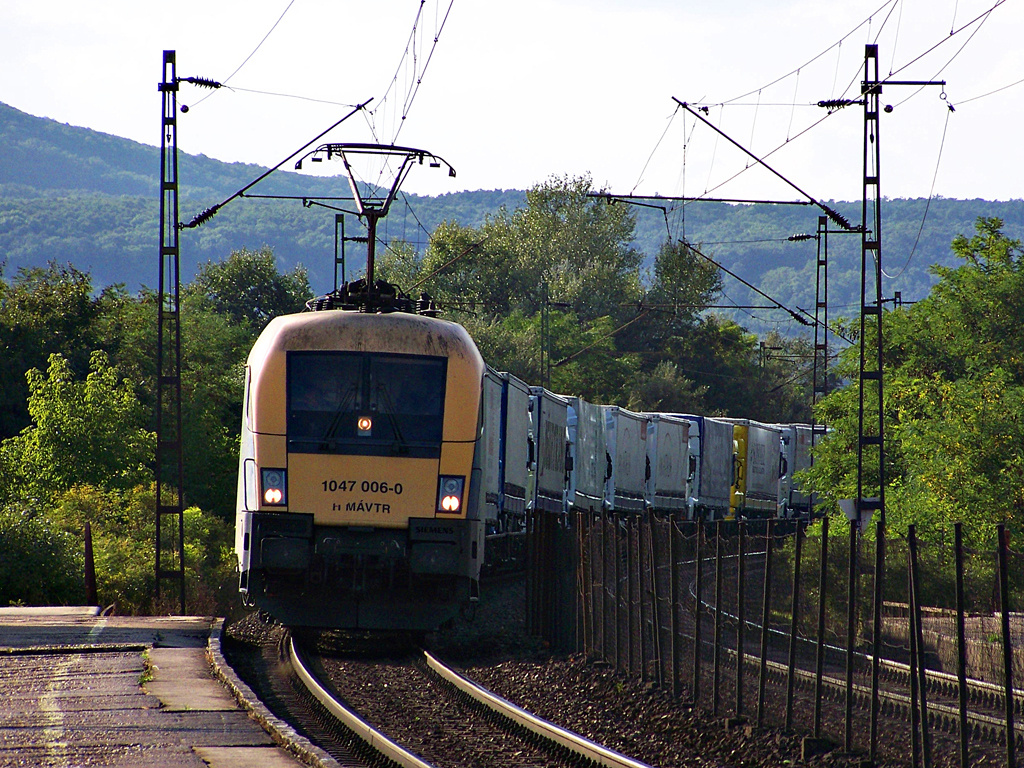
(83, 689)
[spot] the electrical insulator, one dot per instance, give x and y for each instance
(202, 82)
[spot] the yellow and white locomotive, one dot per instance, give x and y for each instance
(359, 430)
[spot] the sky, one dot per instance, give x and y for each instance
(513, 94)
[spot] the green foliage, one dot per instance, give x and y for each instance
(953, 400)
(682, 284)
(578, 247)
(83, 431)
(84, 453)
(248, 288)
(213, 355)
(666, 390)
(40, 564)
(555, 293)
(400, 266)
(69, 193)
(42, 311)
(123, 532)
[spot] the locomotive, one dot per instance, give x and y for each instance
(382, 462)
(358, 435)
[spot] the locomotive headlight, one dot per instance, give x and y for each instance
(449, 494)
(274, 486)
(365, 426)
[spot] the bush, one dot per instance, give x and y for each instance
(40, 563)
(124, 535)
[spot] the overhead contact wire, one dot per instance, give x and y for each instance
(258, 46)
(811, 60)
(982, 16)
(209, 213)
(931, 195)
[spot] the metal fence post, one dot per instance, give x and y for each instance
(876, 660)
(765, 621)
(673, 639)
(922, 685)
(740, 617)
(851, 633)
(655, 604)
(630, 605)
(698, 585)
(617, 597)
(961, 644)
(819, 665)
(716, 650)
(605, 651)
(915, 711)
(794, 625)
(1004, 606)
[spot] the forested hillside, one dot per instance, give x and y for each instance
(555, 286)
(74, 195)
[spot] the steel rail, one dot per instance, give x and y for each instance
(938, 682)
(578, 745)
(374, 738)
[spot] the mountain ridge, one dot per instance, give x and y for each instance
(71, 194)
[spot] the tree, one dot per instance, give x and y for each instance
(82, 432)
(576, 245)
(42, 311)
(214, 351)
(953, 399)
(565, 255)
(666, 390)
(683, 284)
(248, 288)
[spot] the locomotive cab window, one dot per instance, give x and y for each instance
(366, 404)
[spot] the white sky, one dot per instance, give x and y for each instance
(517, 92)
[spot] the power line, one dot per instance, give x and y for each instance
(830, 212)
(799, 318)
(258, 46)
(990, 93)
(209, 213)
(261, 42)
(289, 96)
(983, 16)
(811, 60)
(931, 194)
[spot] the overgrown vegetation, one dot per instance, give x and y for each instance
(954, 401)
(555, 292)
(78, 435)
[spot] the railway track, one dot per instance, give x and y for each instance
(416, 712)
(986, 702)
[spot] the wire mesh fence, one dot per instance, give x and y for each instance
(885, 646)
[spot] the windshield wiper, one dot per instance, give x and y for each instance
(400, 445)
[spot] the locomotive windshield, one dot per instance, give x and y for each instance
(366, 404)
